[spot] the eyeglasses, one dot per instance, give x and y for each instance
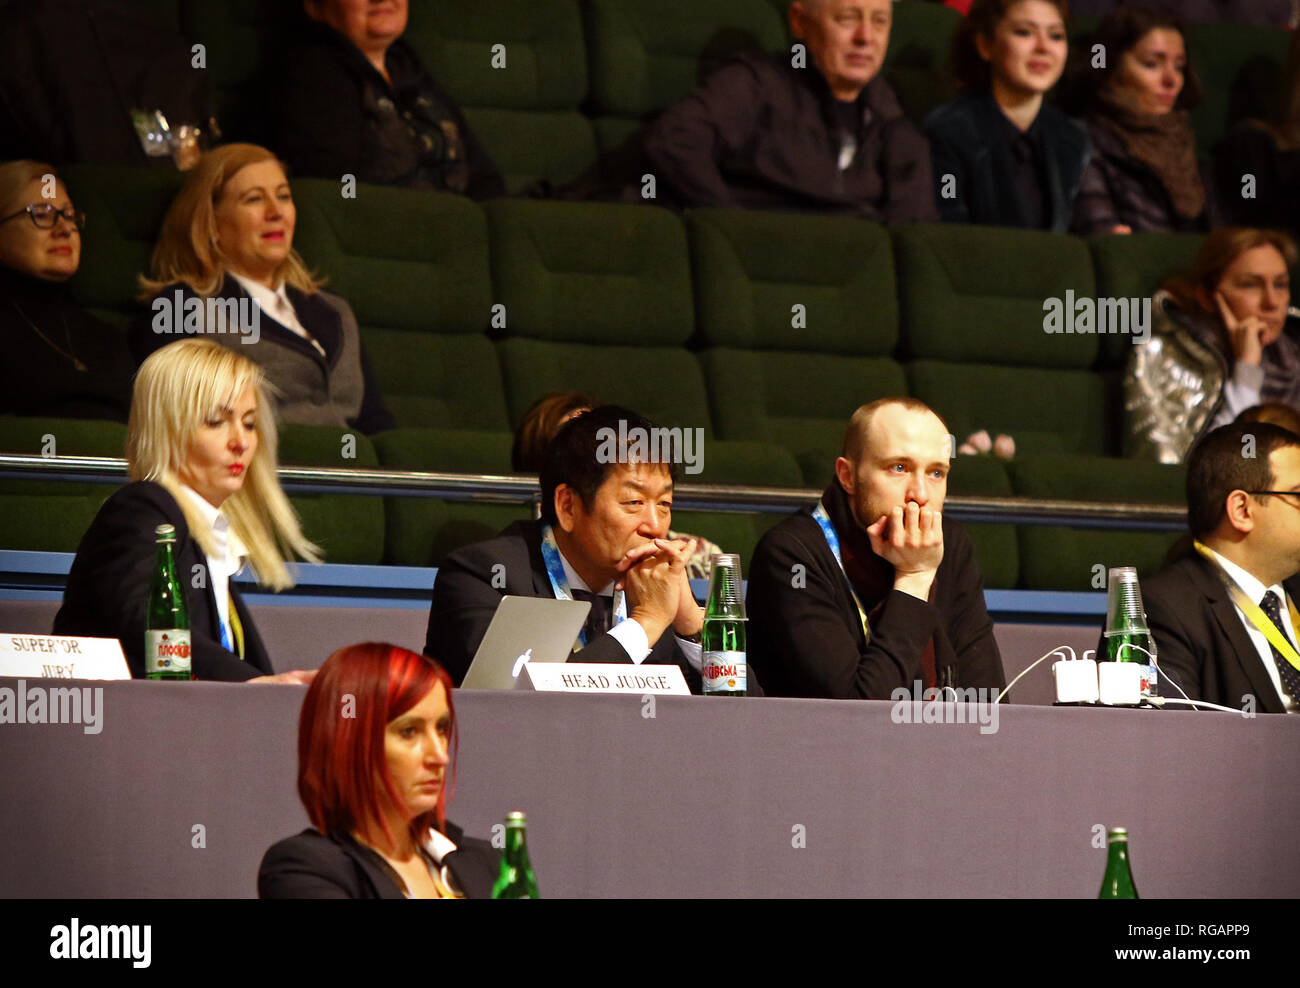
(46, 217)
(1274, 494)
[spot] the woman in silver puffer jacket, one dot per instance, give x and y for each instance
(1221, 342)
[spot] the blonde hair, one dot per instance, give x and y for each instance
(187, 248)
(176, 389)
(1218, 251)
(15, 176)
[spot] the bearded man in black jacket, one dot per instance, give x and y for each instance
(873, 589)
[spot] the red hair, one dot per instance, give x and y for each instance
(358, 690)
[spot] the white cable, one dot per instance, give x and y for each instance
(1160, 701)
(1055, 651)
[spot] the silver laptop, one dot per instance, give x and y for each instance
(523, 630)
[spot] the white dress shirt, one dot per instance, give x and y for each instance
(228, 560)
(276, 304)
(629, 633)
(1255, 590)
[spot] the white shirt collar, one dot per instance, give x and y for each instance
(267, 298)
(1250, 586)
(226, 543)
(438, 845)
(578, 583)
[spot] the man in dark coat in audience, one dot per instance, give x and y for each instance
(813, 129)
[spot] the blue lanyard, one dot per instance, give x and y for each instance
(823, 521)
(560, 584)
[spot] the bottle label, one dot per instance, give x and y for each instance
(167, 651)
(1150, 681)
(724, 672)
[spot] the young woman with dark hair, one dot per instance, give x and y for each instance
(1144, 173)
(1000, 154)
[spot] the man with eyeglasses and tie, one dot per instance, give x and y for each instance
(1224, 614)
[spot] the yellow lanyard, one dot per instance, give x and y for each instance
(236, 629)
(1257, 617)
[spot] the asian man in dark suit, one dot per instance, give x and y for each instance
(873, 590)
(1215, 608)
(602, 538)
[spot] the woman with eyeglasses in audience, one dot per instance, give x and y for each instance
(60, 361)
(376, 763)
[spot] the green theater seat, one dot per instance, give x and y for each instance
(645, 57)
(799, 322)
(518, 69)
(597, 298)
(242, 41)
(414, 268)
(916, 65)
(52, 515)
(973, 305)
(422, 531)
(1070, 558)
(1135, 266)
(1240, 68)
(349, 528)
(124, 209)
(996, 549)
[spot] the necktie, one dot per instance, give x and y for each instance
(597, 622)
(1271, 606)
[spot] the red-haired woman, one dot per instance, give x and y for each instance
(376, 741)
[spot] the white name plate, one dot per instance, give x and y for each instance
(57, 657)
(604, 677)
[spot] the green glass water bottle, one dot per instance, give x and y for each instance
(724, 669)
(167, 619)
(1117, 883)
(516, 879)
(1128, 637)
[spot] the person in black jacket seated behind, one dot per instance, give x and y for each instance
(819, 131)
(355, 100)
(225, 266)
(59, 359)
(200, 452)
(375, 784)
(602, 538)
(1001, 155)
(874, 590)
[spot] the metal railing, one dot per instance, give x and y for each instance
(523, 490)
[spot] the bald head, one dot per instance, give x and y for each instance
(860, 424)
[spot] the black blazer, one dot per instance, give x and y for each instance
(108, 587)
(967, 140)
(311, 865)
(805, 634)
(1200, 640)
(464, 600)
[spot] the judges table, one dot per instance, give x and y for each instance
(186, 784)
